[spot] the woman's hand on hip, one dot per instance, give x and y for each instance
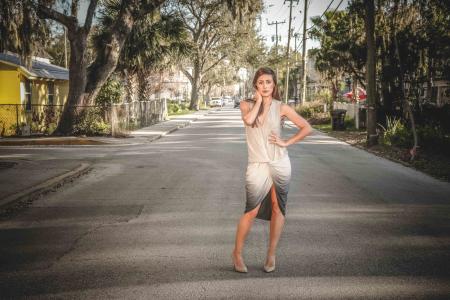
(275, 139)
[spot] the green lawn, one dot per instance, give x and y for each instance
(323, 127)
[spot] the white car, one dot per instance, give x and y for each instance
(216, 101)
(228, 100)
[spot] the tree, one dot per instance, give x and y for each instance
(214, 35)
(156, 41)
(342, 48)
(21, 30)
(86, 78)
(372, 136)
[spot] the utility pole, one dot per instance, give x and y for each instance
(286, 89)
(305, 19)
(296, 36)
(276, 37)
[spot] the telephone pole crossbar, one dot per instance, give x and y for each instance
(276, 23)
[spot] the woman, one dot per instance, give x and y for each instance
(269, 168)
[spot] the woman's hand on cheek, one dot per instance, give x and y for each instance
(258, 97)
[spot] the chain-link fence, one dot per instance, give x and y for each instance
(115, 119)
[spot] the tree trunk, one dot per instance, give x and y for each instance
(372, 136)
(130, 86)
(195, 83)
(407, 106)
(77, 81)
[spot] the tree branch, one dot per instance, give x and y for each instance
(48, 13)
(90, 14)
(74, 8)
(187, 74)
(214, 64)
(188, 26)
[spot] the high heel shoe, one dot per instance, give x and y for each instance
(269, 269)
(239, 269)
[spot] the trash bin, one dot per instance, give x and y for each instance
(337, 119)
(362, 117)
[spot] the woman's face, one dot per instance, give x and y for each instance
(265, 85)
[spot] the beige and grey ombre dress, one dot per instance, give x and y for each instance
(268, 164)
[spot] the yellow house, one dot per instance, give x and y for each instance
(30, 100)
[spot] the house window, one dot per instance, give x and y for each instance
(27, 95)
(51, 92)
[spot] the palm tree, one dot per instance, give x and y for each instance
(156, 41)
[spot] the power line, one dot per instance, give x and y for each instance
(307, 6)
(328, 7)
(334, 11)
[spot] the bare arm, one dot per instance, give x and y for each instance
(301, 123)
(249, 115)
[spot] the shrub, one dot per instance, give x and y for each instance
(433, 137)
(396, 133)
(319, 119)
(111, 91)
(310, 109)
(90, 122)
(173, 107)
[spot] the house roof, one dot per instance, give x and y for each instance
(39, 69)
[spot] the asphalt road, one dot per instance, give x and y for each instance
(158, 221)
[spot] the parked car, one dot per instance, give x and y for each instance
(227, 100)
(216, 101)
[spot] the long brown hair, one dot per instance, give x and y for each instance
(275, 93)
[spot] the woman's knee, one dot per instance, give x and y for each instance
(253, 213)
(276, 208)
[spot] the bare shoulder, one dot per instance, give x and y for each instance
(286, 109)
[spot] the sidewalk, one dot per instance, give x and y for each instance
(140, 136)
(22, 179)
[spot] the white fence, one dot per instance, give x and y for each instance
(137, 114)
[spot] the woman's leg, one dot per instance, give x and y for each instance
(276, 226)
(244, 225)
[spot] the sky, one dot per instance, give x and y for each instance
(278, 10)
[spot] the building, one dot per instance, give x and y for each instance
(440, 92)
(26, 93)
(174, 85)
(315, 81)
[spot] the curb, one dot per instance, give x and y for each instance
(45, 186)
(175, 128)
(109, 144)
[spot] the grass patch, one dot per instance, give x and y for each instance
(181, 112)
(434, 164)
(323, 127)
